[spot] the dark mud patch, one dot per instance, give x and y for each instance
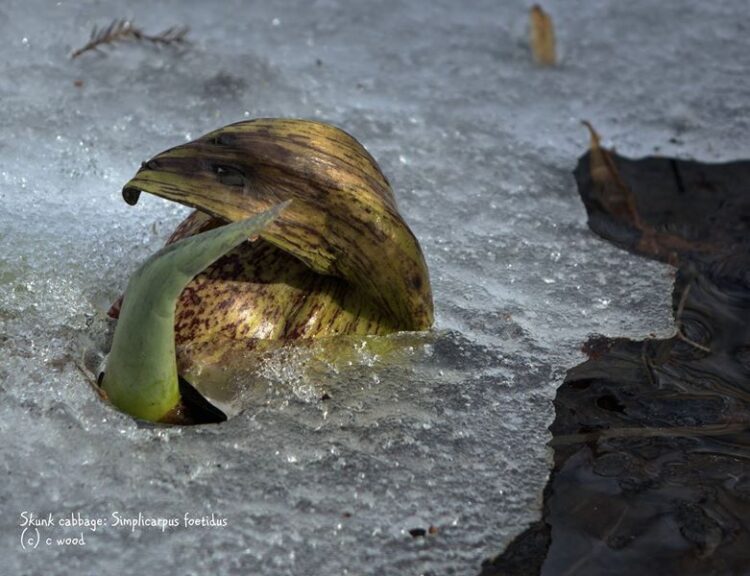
(652, 438)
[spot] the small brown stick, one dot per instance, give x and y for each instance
(91, 378)
(123, 30)
(678, 322)
(649, 366)
(720, 429)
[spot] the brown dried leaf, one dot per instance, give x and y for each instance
(542, 37)
(613, 194)
(616, 199)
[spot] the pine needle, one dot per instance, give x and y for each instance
(124, 30)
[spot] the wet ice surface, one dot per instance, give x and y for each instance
(450, 429)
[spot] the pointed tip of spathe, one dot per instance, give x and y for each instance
(131, 195)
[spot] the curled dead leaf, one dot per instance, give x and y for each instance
(543, 45)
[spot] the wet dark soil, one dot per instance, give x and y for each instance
(651, 438)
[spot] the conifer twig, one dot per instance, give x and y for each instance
(123, 30)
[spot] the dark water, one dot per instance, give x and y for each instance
(652, 438)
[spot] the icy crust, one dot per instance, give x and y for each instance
(479, 146)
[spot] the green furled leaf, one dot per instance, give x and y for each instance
(141, 373)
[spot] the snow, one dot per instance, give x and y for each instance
(447, 431)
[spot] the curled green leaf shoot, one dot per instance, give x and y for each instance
(141, 373)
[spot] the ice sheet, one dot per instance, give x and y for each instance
(479, 145)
